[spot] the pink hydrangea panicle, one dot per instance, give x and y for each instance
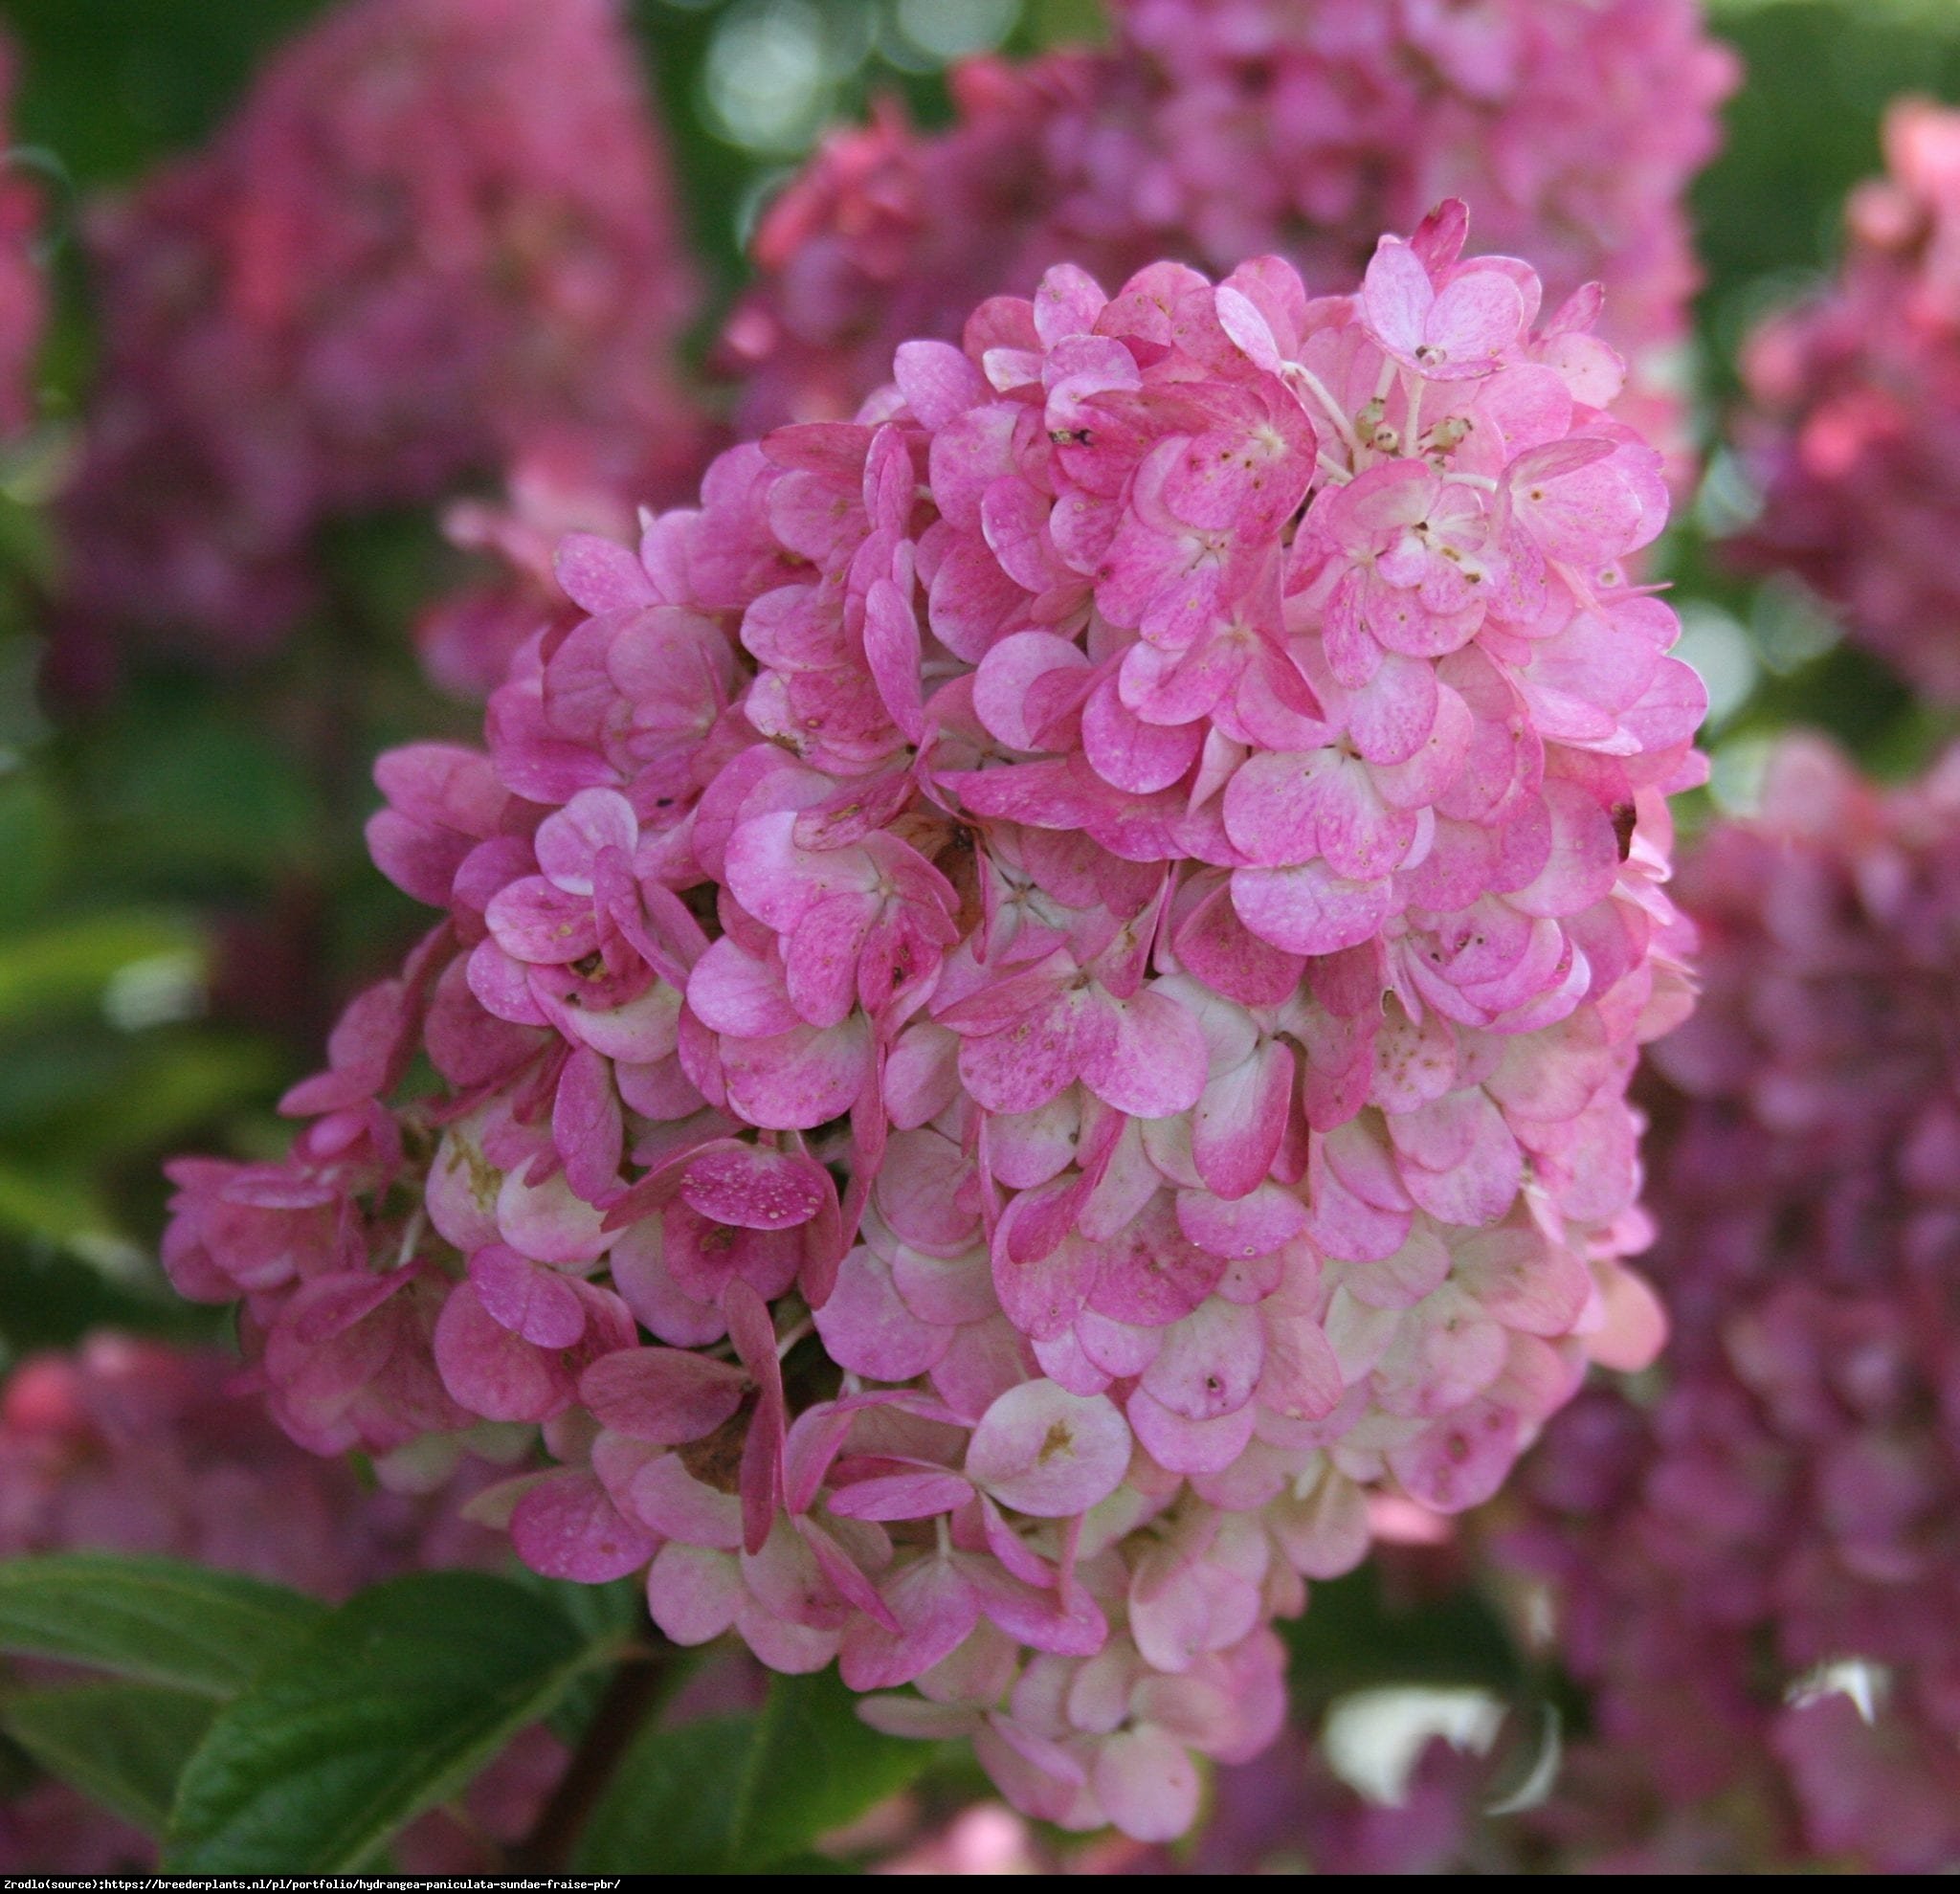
(1035, 1001)
(1757, 1573)
(436, 242)
(1853, 394)
(1215, 133)
(23, 287)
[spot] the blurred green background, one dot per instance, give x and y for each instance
(208, 827)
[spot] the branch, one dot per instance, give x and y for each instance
(631, 1692)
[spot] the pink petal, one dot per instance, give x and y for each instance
(665, 1396)
(938, 383)
(891, 648)
(586, 1125)
(799, 1079)
(932, 1605)
(570, 839)
(1154, 1063)
(1152, 1273)
(1302, 1379)
(1310, 909)
(821, 962)
(669, 1500)
(867, 1328)
(1180, 1445)
(1477, 316)
(1240, 1121)
(1461, 1460)
(1584, 855)
(754, 1187)
(1023, 1067)
(694, 1593)
(1210, 1362)
(490, 1370)
(1242, 1227)
(533, 921)
(1045, 1452)
(1130, 754)
(565, 1527)
(1397, 296)
(529, 1300)
(732, 991)
(918, 1493)
(549, 1222)
(1147, 1782)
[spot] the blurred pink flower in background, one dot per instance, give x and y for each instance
(23, 289)
(1217, 130)
(1072, 949)
(436, 242)
(1855, 428)
(132, 1445)
(1757, 1575)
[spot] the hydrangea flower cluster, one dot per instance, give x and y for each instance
(1071, 949)
(23, 290)
(1855, 394)
(135, 1446)
(1213, 132)
(437, 239)
(1789, 1505)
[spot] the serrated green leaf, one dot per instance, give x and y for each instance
(386, 1708)
(802, 1766)
(122, 1745)
(158, 1621)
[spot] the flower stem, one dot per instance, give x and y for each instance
(635, 1687)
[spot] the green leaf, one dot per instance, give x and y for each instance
(1353, 1638)
(386, 1708)
(804, 1765)
(156, 1619)
(68, 963)
(32, 844)
(54, 1203)
(122, 1745)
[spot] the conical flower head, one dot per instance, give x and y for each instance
(1035, 1003)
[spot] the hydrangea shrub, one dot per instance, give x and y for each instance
(1033, 1004)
